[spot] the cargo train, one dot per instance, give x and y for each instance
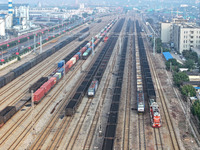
(28, 65)
(140, 93)
(74, 102)
(63, 67)
(45, 84)
(151, 95)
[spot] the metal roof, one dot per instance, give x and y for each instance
(167, 55)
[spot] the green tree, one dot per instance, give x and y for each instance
(189, 63)
(150, 20)
(196, 109)
(18, 58)
(158, 45)
(84, 15)
(179, 78)
(186, 89)
(175, 65)
(198, 64)
(190, 55)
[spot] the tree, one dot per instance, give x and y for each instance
(174, 64)
(198, 64)
(84, 15)
(18, 58)
(158, 45)
(190, 55)
(196, 109)
(189, 64)
(179, 78)
(150, 20)
(186, 89)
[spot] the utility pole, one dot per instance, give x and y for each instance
(188, 113)
(120, 43)
(92, 46)
(170, 66)
(154, 44)
(40, 44)
(34, 43)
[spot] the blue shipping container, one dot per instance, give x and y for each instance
(79, 54)
(61, 63)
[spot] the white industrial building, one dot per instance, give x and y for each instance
(22, 12)
(2, 27)
(182, 34)
(9, 21)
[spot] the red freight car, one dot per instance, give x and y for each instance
(38, 95)
(105, 39)
(83, 50)
(46, 86)
(76, 56)
(52, 82)
(70, 63)
(54, 79)
(66, 68)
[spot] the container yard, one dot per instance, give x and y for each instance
(99, 86)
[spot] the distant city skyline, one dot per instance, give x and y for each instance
(61, 2)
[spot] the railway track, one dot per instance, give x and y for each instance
(25, 116)
(74, 144)
(6, 87)
(141, 131)
(64, 126)
(166, 117)
(33, 75)
(126, 139)
(140, 116)
(102, 98)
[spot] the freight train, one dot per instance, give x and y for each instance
(28, 65)
(149, 86)
(63, 67)
(74, 102)
(140, 93)
(45, 84)
(112, 121)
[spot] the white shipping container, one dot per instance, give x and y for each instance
(73, 59)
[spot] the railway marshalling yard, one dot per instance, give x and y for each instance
(93, 125)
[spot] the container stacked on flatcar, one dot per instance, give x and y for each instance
(149, 86)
